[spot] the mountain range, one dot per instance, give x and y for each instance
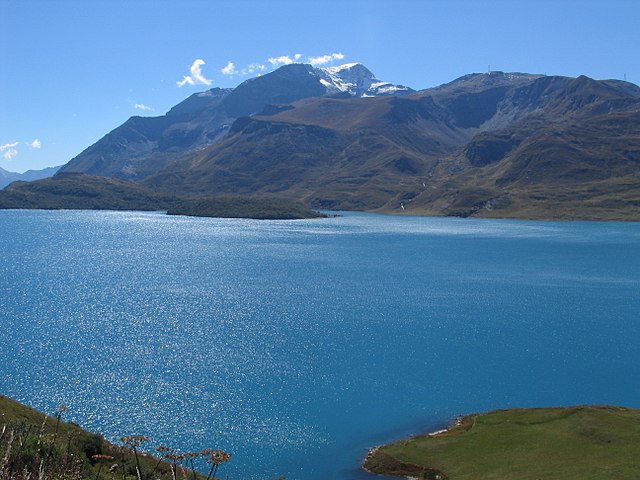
(144, 145)
(7, 177)
(493, 144)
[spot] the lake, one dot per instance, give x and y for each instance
(297, 345)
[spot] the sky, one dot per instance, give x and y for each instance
(73, 70)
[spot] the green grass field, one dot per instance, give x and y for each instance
(587, 442)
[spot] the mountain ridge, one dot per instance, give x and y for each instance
(486, 144)
(7, 177)
(143, 145)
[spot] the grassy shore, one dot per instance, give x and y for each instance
(585, 442)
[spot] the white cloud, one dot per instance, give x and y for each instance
(229, 69)
(7, 146)
(142, 106)
(196, 77)
(324, 59)
(283, 60)
(35, 144)
(9, 150)
(253, 68)
(9, 154)
(186, 80)
(279, 61)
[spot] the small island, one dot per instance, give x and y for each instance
(582, 442)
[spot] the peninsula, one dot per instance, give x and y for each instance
(585, 442)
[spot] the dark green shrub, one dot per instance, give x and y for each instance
(91, 444)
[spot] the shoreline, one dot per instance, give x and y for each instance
(459, 423)
(502, 444)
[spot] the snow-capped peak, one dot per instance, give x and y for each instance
(357, 80)
(346, 66)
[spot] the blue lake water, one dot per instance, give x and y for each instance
(297, 345)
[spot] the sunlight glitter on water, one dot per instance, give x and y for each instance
(288, 343)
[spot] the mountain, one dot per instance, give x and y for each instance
(494, 144)
(144, 145)
(486, 144)
(7, 177)
(357, 80)
(577, 155)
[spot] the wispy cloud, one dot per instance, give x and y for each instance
(283, 60)
(8, 145)
(232, 70)
(255, 67)
(196, 77)
(142, 106)
(9, 154)
(8, 150)
(324, 59)
(228, 69)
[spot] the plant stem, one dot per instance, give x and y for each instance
(135, 453)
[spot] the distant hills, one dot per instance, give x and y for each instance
(491, 145)
(7, 177)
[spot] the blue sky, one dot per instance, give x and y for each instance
(73, 70)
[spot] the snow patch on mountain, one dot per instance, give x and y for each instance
(357, 80)
(346, 66)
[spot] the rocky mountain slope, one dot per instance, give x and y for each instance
(489, 144)
(493, 144)
(144, 145)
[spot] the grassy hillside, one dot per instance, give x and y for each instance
(86, 192)
(260, 208)
(78, 191)
(490, 145)
(579, 167)
(586, 442)
(35, 445)
(611, 199)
